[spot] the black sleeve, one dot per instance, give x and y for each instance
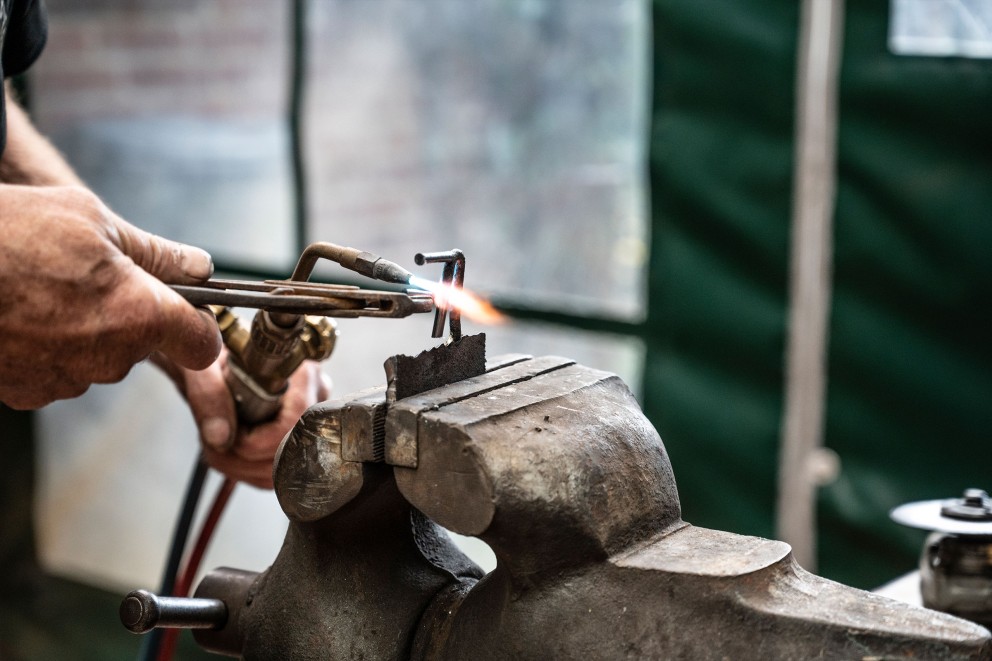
(27, 31)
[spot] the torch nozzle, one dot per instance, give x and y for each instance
(353, 259)
(388, 271)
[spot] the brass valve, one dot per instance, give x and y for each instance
(263, 357)
(282, 334)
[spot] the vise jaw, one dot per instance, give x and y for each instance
(555, 467)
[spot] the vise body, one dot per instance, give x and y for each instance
(555, 467)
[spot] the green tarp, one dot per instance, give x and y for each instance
(909, 407)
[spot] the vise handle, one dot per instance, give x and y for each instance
(141, 611)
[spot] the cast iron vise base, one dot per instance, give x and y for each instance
(556, 468)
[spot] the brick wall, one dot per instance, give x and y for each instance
(123, 58)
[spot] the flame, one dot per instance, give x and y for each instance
(471, 305)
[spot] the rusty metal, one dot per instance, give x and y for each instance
(460, 359)
(236, 588)
(402, 430)
(300, 298)
(453, 275)
(556, 468)
(263, 357)
(291, 325)
(359, 261)
(286, 300)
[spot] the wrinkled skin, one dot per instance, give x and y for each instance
(83, 296)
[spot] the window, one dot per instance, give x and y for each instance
(512, 129)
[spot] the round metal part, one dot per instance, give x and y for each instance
(956, 576)
(974, 506)
(956, 563)
(141, 611)
(970, 515)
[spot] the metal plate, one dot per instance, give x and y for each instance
(925, 515)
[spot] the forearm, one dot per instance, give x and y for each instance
(29, 158)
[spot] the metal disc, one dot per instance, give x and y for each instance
(926, 516)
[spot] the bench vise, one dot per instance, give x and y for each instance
(554, 466)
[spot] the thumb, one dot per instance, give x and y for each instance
(169, 261)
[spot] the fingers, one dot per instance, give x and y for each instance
(260, 443)
(303, 392)
(250, 459)
(26, 399)
(169, 261)
(65, 252)
(325, 388)
(213, 410)
(255, 473)
(189, 335)
(212, 406)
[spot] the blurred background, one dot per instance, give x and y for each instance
(622, 176)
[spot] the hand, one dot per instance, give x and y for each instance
(244, 453)
(82, 297)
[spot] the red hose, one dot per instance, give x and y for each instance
(185, 581)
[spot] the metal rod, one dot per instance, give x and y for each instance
(150, 646)
(452, 276)
(323, 250)
(458, 278)
(141, 611)
(440, 317)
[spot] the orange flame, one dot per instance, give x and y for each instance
(472, 306)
